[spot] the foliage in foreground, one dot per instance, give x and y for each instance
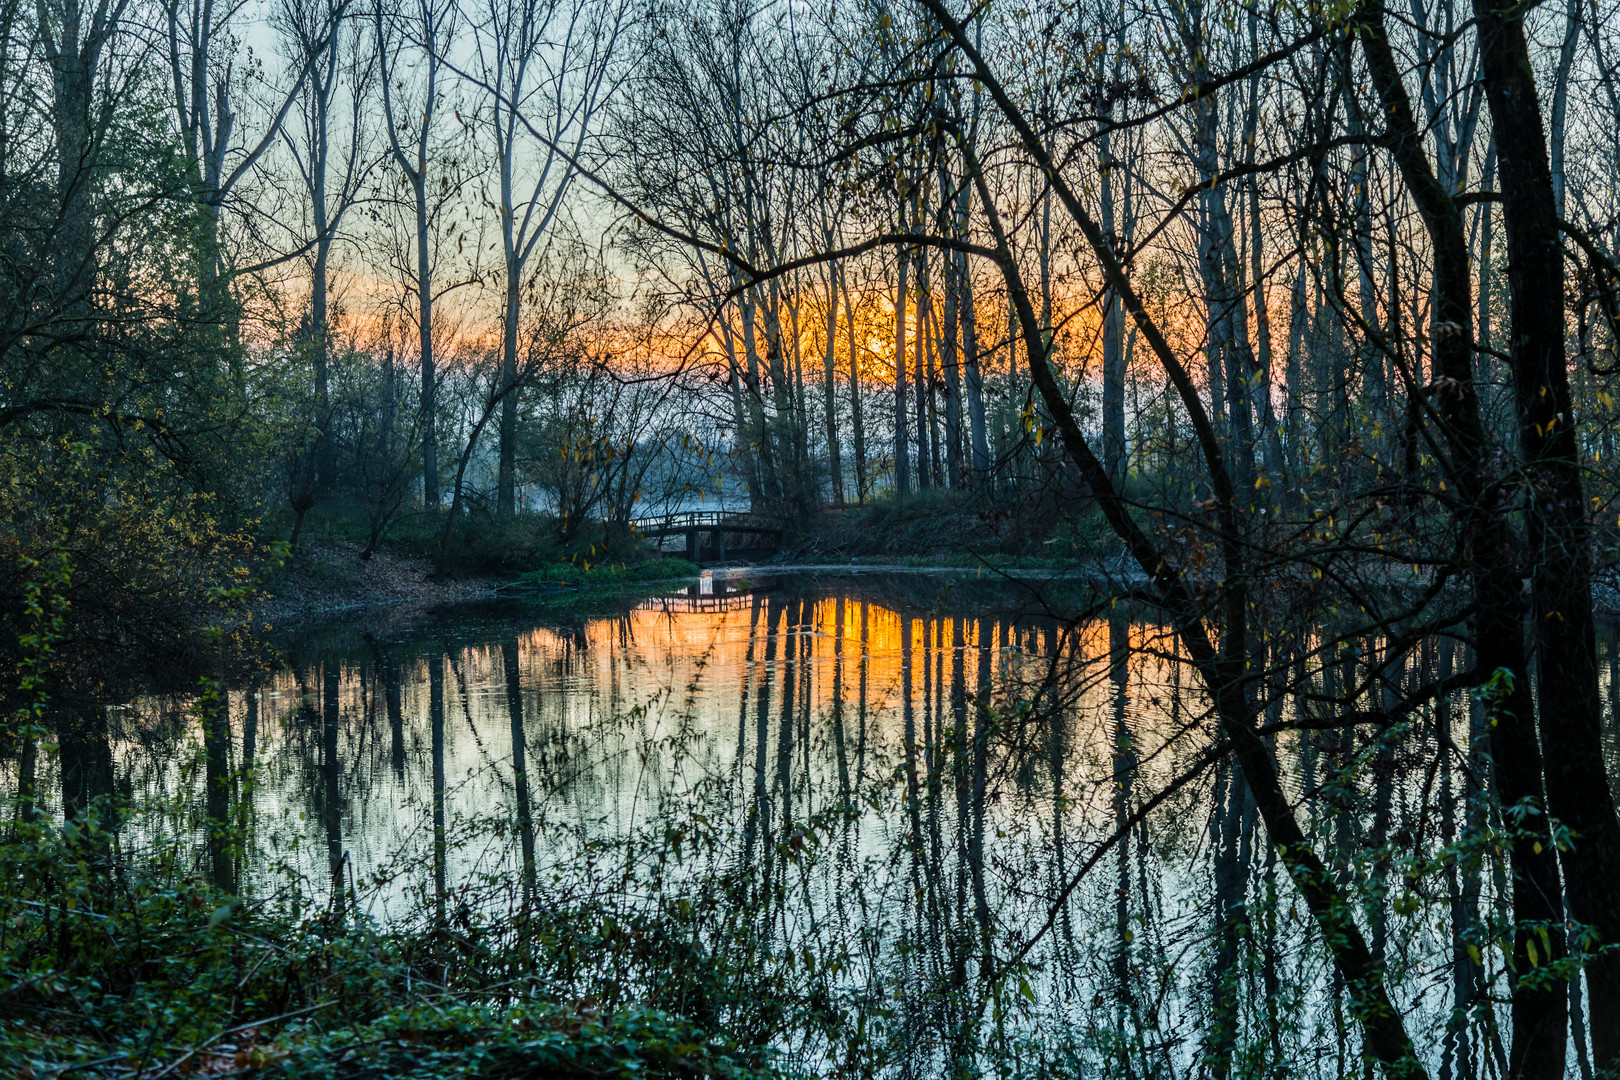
(114, 965)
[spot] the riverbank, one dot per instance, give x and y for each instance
(328, 577)
(948, 528)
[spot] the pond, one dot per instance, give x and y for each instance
(948, 819)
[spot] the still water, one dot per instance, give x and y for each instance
(962, 816)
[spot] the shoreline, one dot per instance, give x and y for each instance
(330, 579)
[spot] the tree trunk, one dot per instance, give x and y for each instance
(927, 449)
(902, 471)
(856, 411)
(325, 447)
(950, 357)
(760, 436)
(506, 476)
(1578, 792)
(829, 389)
(424, 324)
(1560, 102)
(1113, 334)
(1299, 327)
(978, 434)
(1221, 670)
(1539, 1009)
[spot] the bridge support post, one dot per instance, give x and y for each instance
(720, 546)
(691, 545)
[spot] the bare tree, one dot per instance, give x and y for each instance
(208, 92)
(546, 67)
(423, 30)
(329, 40)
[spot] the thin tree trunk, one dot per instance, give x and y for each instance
(829, 389)
(1560, 102)
(856, 410)
(977, 429)
(506, 438)
(319, 345)
(927, 445)
(1113, 332)
(902, 471)
(424, 322)
(1299, 332)
(770, 485)
(951, 361)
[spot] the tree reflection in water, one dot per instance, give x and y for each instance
(932, 830)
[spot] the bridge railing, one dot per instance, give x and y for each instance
(697, 604)
(730, 520)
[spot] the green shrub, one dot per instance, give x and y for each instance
(656, 569)
(116, 962)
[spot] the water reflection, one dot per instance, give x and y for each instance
(968, 823)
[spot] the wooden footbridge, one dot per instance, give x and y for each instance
(692, 601)
(711, 536)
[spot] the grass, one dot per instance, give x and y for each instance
(480, 546)
(958, 528)
(658, 569)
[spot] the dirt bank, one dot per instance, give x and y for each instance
(329, 577)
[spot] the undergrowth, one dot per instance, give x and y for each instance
(480, 545)
(614, 573)
(118, 962)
